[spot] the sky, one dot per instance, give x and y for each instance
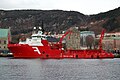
(83, 6)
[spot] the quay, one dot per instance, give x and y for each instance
(6, 55)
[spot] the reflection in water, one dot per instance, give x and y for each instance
(59, 69)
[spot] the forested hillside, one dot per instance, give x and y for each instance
(109, 20)
(23, 21)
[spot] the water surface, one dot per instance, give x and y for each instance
(59, 69)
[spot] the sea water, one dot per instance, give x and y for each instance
(59, 69)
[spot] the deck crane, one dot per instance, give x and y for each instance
(58, 45)
(101, 38)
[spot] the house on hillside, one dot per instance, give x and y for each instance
(111, 42)
(73, 39)
(5, 38)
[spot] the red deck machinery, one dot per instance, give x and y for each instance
(85, 54)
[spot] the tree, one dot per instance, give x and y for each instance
(89, 41)
(96, 43)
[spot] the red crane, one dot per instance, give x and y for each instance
(101, 38)
(58, 45)
(61, 39)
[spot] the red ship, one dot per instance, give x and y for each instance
(39, 47)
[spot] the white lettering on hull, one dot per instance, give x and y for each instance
(36, 50)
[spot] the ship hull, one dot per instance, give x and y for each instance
(26, 51)
(46, 52)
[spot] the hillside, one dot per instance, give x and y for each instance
(23, 21)
(109, 20)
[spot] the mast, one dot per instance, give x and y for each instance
(42, 26)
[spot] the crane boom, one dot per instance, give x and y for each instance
(69, 31)
(101, 38)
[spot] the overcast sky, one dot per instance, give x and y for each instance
(83, 6)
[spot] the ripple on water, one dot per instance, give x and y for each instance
(59, 69)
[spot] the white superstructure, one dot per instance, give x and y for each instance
(35, 39)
